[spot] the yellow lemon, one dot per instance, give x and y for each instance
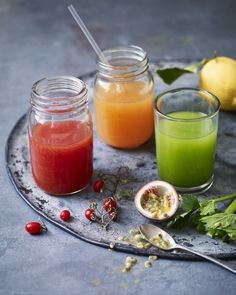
(218, 76)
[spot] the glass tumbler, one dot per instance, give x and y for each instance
(186, 123)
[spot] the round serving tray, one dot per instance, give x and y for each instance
(142, 164)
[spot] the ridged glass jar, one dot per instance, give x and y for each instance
(60, 135)
(123, 97)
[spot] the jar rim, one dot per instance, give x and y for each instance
(134, 61)
(38, 83)
(45, 97)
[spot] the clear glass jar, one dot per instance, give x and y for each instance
(60, 135)
(123, 97)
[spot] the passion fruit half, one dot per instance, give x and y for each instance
(157, 200)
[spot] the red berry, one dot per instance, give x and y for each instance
(90, 214)
(98, 185)
(34, 228)
(109, 204)
(113, 215)
(65, 215)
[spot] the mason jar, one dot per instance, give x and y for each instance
(123, 97)
(60, 135)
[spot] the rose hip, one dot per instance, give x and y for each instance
(98, 185)
(65, 215)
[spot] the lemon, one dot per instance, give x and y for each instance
(218, 76)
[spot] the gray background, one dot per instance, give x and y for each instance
(38, 39)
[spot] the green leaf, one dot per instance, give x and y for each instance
(207, 208)
(219, 220)
(221, 225)
(170, 75)
(181, 220)
(189, 203)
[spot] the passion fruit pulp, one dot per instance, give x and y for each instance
(157, 200)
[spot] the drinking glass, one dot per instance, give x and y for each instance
(186, 123)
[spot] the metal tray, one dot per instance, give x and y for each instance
(142, 163)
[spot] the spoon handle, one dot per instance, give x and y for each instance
(229, 266)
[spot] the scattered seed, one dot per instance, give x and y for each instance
(147, 264)
(129, 263)
(147, 246)
(131, 260)
(152, 258)
(134, 260)
(140, 245)
(121, 238)
(112, 245)
(134, 231)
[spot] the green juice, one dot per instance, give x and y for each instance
(186, 149)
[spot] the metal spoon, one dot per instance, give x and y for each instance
(150, 231)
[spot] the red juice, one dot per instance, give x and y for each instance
(62, 156)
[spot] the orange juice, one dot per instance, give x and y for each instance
(124, 112)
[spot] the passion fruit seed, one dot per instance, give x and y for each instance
(147, 264)
(136, 240)
(131, 259)
(124, 239)
(129, 263)
(139, 238)
(152, 258)
(112, 245)
(157, 205)
(134, 231)
(158, 240)
(140, 245)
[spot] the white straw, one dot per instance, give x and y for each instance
(87, 33)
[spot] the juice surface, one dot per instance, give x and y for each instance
(124, 113)
(186, 150)
(62, 156)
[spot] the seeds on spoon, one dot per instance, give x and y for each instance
(159, 241)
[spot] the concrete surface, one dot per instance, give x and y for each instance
(39, 38)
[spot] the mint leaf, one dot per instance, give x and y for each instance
(170, 75)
